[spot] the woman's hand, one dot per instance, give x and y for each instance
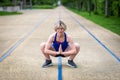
(60, 49)
(59, 53)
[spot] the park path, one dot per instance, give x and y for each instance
(24, 62)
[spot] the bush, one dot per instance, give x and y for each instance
(6, 4)
(2, 13)
(43, 7)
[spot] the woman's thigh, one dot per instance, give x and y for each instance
(76, 46)
(42, 45)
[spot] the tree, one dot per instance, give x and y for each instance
(95, 6)
(79, 5)
(30, 3)
(14, 2)
(106, 8)
(89, 6)
(115, 6)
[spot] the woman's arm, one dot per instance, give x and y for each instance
(48, 46)
(72, 49)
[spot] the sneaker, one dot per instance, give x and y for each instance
(71, 64)
(47, 63)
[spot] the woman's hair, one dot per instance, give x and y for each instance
(60, 24)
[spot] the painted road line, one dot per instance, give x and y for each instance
(59, 58)
(103, 45)
(23, 38)
(59, 68)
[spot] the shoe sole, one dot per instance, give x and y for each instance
(47, 65)
(71, 66)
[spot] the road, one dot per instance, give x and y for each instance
(21, 58)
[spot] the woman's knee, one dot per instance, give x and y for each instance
(77, 47)
(42, 45)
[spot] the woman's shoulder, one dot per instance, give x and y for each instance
(52, 36)
(69, 38)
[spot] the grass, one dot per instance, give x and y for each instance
(43, 7)
(3, 13)
(110, 23)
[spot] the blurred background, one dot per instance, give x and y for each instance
(106, 7)
(98, 11)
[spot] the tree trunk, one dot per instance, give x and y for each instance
(31, 4)
(79, 5)
(24, 3)
(21, 5)
(89, 7)
(106, 8)
(15, 2)
(95, 6)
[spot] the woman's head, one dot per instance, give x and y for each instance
(60, 24)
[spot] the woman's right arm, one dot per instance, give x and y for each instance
(49, 45)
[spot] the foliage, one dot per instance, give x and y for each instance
(43, 7)
(100, 6)
(6, 3)
(44, 2)
(110, 23)
(2, 13)
(116, 8)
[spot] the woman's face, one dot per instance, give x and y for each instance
(60, 29)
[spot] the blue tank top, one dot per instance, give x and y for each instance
(57, 44)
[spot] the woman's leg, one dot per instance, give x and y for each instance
(47, 56)
(77, 51)
(72, 55)
(48, 61)
(42, 47)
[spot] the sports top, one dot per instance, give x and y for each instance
(56, 44)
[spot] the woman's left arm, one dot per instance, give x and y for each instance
(72, 49)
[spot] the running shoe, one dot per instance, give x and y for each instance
(47, 63)
(71, 64)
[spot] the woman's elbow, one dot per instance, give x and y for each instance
(45, 51)
(74, 51)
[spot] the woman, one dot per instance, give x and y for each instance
(60, 44)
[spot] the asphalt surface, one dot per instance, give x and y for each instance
(21, 58)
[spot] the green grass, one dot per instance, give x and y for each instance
(110, 23)
(2, 13)
(43, 7)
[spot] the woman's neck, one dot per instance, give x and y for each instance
(59, 35)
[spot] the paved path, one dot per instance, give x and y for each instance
(94, 61)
